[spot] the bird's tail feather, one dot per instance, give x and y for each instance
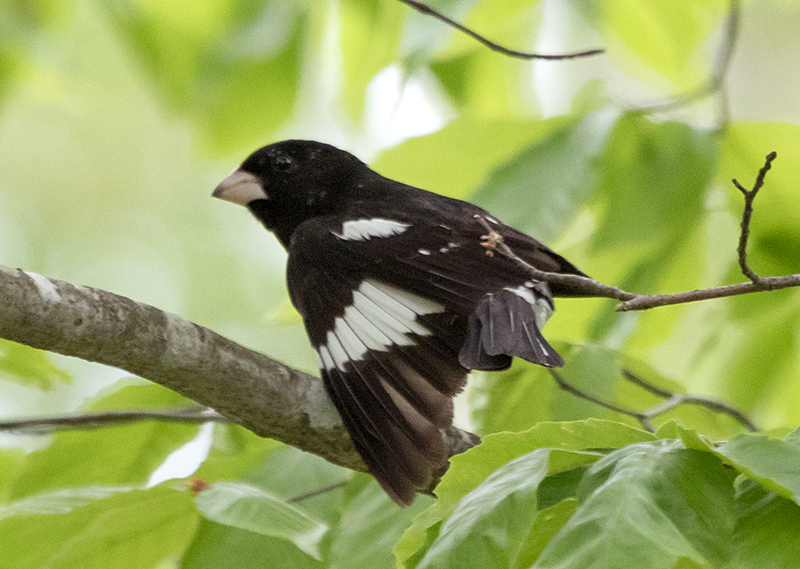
(503, 326)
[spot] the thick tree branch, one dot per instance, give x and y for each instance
(425, 9)
(249, 388)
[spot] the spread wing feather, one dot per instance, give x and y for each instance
(398, 319)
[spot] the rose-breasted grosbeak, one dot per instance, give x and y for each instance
(401, 296)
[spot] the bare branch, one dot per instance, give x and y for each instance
(749, 196)
(644, 301)
(672, 400)
(318, 492)
(632, 301)
(246, 387)
(425, 9)
(715, 83)
(493, 242)
(675, 399)
(756, 284)
(719, 407)
(44, 425)
(569, 388)
(646, 385)
(250, 389)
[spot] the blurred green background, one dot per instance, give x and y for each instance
(118, 118)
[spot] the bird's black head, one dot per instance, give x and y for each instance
(288, 182)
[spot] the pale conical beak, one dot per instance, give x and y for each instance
(241, 188)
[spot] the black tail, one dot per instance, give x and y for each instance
(503, 326)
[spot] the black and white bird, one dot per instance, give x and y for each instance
(401, 295)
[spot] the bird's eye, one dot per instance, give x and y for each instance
(283, 163)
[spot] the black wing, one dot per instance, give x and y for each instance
(398, 312)
(389, 360)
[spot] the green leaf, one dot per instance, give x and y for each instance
(767, 532)
(318, 475)
(423, 35)
(654, 180)
(468, 470)
(218, 546)
(488, 526)
(503, 21)
(369, 39)
(664, 36)
(125, 454)
(235, 107)
(369, 526)
(759, 373)
(518, 398)
(793, 438)
(246, 507)
(690, 439)
(11, 461)
(417, 539)
(592, 369)
(61, 501)
(773, 463)
(95, 528)
(547, 524)
(512, 400)
(560, 486)
(483, 84)
(649, 203)
(21, 26)
(541, 189)
(648, 505)
(31, 367)
(233, 66)
(135, 393)
(454, 160)
(234, 451)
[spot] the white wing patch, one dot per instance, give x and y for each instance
(336, 350)
(325, 359)
(365, 229)
(380, 317)
(402, 301)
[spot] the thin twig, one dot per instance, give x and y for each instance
(724, 58)
(671, 400)
(646, 385)
(632, 301)
(717, 79)
(425, 9)
(645, 301)
(722, 408)
(675, 399)
(749, 196)
(46, 425)
(318, 492)
(494, 243)
(569, 388)
(646, 418)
